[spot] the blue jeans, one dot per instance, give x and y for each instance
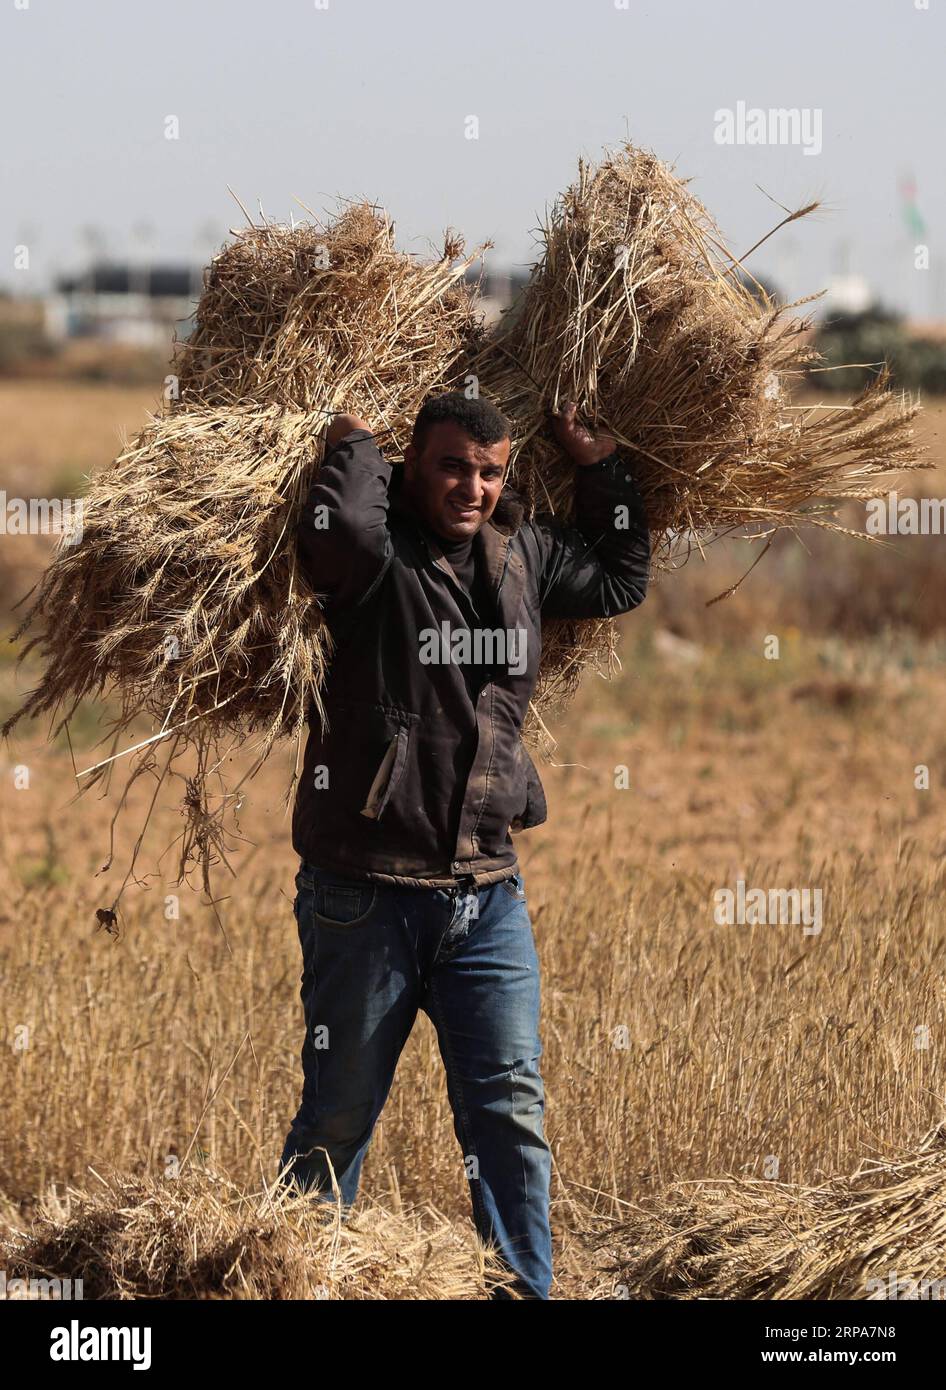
(373, 954)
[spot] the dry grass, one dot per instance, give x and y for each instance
(877, 1233)
(183, 595)
(143, 624)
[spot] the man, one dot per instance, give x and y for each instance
(409, 891)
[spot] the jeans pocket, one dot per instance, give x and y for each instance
(344, 904)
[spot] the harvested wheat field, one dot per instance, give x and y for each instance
(712, 1089)
(159, 1070)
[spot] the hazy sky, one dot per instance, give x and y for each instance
(366, 97)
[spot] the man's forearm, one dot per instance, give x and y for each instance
(342, 531)
(599, 566)
(610, 514)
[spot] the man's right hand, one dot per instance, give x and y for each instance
(342, 425)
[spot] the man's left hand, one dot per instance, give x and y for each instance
(582, 447)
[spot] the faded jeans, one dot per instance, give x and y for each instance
(373, 954)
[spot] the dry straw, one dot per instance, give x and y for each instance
(199, 1236)
(880, 1233)
(637, 310)
(184, 596)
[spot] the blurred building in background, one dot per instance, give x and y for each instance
(137, 305)
(142, 306)
(847, 294)
(498, 289)
(118, 320)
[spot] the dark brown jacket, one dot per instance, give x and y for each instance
(421, 772)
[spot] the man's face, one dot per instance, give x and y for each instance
(454, 484)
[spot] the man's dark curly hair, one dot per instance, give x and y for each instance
(478, 418)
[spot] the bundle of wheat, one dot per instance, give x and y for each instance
(637, 310)
(880, 1233)
(182, 594)
(323, 319)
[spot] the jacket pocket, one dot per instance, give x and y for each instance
(535, 810)
(389, 773)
